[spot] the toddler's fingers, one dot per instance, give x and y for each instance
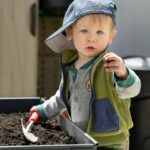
(33, 109)
(111, 64)
(110, 57)
(112, 69)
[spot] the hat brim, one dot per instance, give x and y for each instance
(58, 42)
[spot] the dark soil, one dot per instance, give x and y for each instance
(48, 132)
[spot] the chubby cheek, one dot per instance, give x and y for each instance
(78, 42)
(78, 46)
(101, 47)
(102, 43)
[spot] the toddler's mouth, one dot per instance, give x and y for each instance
(91, 48)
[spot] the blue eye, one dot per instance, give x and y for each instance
(83, 31)
(100, 32)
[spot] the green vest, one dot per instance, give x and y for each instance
(110, 117)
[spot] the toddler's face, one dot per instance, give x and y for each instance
(91, 34)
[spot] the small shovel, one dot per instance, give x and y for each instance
(26, 131)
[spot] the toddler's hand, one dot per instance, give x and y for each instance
(114, 63)
(33, 109)
(39, 110)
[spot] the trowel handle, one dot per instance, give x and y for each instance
(34, 117)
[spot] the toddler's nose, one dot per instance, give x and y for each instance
(91, 39)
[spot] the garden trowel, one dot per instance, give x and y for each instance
(26, 130)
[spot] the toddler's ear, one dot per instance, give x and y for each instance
(68, 34)
(112, 35)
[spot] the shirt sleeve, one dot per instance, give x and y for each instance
(52, 107)
(130, 87)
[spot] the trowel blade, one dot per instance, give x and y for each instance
(31, 137)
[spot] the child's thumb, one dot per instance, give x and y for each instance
(33, 109)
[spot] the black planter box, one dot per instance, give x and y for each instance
(23, 104)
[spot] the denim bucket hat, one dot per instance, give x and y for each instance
(77, 9)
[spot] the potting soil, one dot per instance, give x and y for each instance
(48, 132)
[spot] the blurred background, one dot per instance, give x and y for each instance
(28, 68)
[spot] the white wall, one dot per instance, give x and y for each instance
(133, 25)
